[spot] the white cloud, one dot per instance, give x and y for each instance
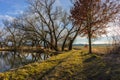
(113, 30)
(80, 40)
(17, 12)
(101, 42)
(6, 17)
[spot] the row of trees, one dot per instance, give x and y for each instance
(45, 24)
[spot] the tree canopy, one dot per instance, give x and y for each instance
(94, 16)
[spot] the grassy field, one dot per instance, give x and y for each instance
(72, 65)
(95, 49)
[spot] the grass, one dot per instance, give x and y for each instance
(73, 65)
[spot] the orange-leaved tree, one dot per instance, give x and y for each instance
(94, 16)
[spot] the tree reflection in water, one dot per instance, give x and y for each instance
(11, 60)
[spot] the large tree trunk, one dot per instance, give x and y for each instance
(51, 41)
(52, 46)
(70, 45)
(64, 42)
(71, 41)
(63, 45)
(89, 40)
(56, 44)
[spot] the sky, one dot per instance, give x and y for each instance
(12, 8)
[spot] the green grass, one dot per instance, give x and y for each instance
(73, 65)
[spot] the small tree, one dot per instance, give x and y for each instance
(93, 16)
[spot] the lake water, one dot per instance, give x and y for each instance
(12, 60)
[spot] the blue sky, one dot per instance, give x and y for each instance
(14, 7)
(11, 8)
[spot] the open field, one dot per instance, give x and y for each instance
(95, 49)
(72, 65)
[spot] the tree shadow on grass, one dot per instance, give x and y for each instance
(93, 67)
(99, 69)
(59, 61)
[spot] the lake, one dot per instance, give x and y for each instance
(11, 60)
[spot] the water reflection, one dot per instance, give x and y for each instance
(11, 60)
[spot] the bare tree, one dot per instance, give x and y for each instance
(44, 24)
(49, 24)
